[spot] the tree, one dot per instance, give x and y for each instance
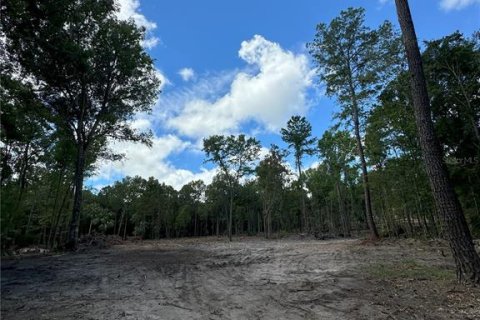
(452, 67)
(466, 258)
(354, 61)
(337, 148)
(234, 156)
(190, 197)
(90, 72)
(217, 194)
(297, 134)
(271, 179)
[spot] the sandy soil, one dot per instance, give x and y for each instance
(250, 278)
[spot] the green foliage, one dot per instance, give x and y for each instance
(73, 75)
(89, 71)
(353, 58)
(337, 148)
(271, 178)
(297, 135)
(93, 73)
(234, 155)
(183, 218)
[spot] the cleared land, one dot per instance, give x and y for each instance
(250, 278)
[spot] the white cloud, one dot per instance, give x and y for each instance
(187, 74)
(449, 5)
(268, 91)
(163, 79)
(269, 96)
(149, 162)
(150, 42)
(130, 9)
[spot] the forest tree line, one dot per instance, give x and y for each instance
(37, 189)
(370, 173)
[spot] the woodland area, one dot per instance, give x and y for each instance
(377, 176)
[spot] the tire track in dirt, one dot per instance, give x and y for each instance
(203, 278)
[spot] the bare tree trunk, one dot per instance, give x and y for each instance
(23, 175)
(302, 192)
(72, 241)
(343, 211)
(363, 162)
(125, 227)
(119, 230)
(27, 230)
(265, 221)
(195, 223)
(460, 239)
(54, 230)
(230, 216)
(258, 221)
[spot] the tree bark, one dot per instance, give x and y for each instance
(230, 216)
(302, 193)
(72, 241)
(466, 258)
(343, 210)
(125, 227)
(363, 162)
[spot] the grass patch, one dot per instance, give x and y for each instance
(410, 270)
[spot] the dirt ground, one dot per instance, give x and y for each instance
(250, 278)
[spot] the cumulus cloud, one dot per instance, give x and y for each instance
(149, 162)
(449, 5)
(187, 74)
(130, 9)
(269, 96)
(267, 91)
(163, 79)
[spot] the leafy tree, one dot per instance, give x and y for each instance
(90, 72)
(98, 217)
(298, 136)
(217, 194)
(234, 156)
(271, 174)
(337, 150)
(354, 61)
(190, 197)
(452, 67)
(466, 258)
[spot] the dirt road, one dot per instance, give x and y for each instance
(249, 278)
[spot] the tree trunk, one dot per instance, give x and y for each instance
(53, 234)
(23, 175)
(125, 227)
(366, 185)
(119, 230)
(343, 211)
(195, 223)
(72, 241)
(230, 216)
(302, 192)
(460, 239)
(258, 222)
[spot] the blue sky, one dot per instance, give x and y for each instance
(232, 67)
